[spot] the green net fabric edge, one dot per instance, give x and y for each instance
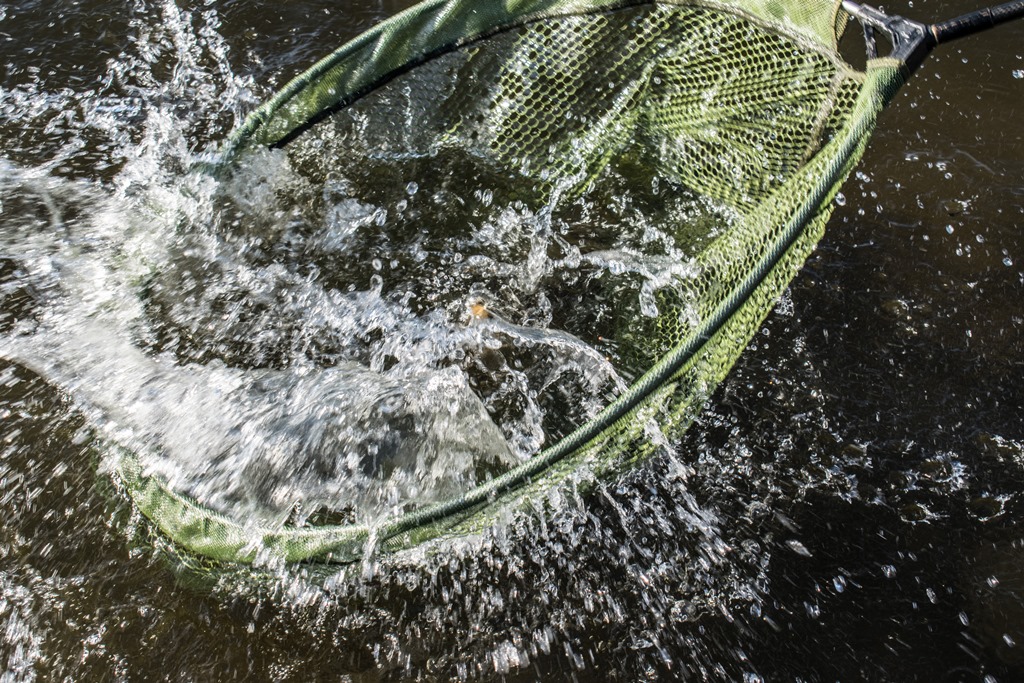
(437, 26)
(614, 437)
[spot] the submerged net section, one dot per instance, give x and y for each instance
(515, 135)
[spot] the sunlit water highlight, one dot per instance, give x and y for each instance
(807, 508)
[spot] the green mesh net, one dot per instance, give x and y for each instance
(746, 103)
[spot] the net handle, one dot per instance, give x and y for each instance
(973, 22)
(912, 41)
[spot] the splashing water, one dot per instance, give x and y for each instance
(272, 343)
(301, 333)
(353, 329)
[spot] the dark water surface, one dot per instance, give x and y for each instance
(847, 508)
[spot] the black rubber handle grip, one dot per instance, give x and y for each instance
(972, 22)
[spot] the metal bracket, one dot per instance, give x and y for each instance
(911, 40)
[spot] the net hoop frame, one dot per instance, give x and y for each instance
(209, 534)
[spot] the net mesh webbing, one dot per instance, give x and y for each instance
(746, 103)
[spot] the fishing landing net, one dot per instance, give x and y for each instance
(746, 103)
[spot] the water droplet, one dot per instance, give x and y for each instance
(1010, 642)
(889, 571)
(412, 188)
(992, 582)
(798, 547)
(839, 583)
(1007, 261)
(1018, 73)
(840, 199)
(949, 229)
